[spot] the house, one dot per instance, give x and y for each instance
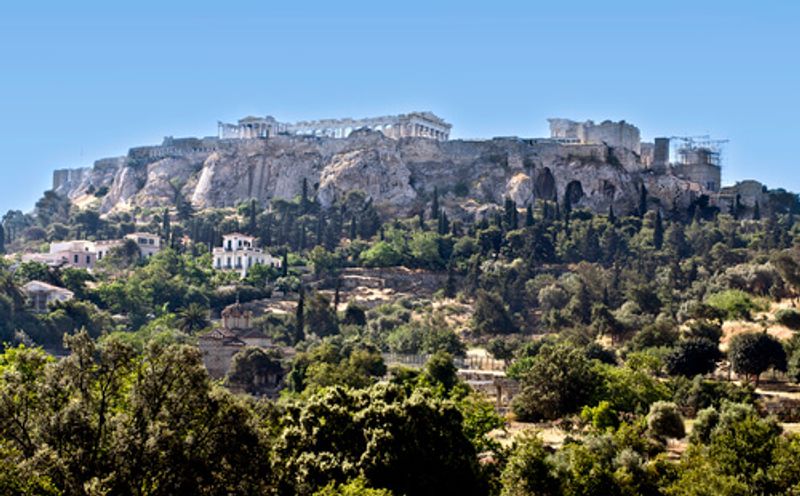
(84, 254)
(79, 253)
(41, 294)
(239, 252)
(149, 244)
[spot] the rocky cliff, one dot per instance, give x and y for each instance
(473, 177)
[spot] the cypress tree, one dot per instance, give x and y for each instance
(304, 195)
(642, 201)
(757, 212)
(2, 238)
(165, 227)
(251, 226)
(299, 317)
(612, 219)
(285, 264)
(435, 203)
(529, 216)
(353, 226)
(422, 220)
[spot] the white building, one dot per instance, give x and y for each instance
(149, 244)
(41, 295)
(84, 254)
(239, 252)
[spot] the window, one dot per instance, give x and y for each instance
(88, 259)
(75, 259)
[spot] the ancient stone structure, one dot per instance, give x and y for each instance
(614, 134)
(699, 164)
(595, 165)
(414, 124)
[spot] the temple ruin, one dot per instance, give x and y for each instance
(411, 125)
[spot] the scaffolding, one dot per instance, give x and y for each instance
(688, 150)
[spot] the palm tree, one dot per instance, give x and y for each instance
(193, 318)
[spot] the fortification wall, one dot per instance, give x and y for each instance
(706, 175)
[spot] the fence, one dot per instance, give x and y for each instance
(464, 363)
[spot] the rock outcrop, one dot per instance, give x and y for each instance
(398, 175)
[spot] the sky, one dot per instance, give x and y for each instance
(83, 80)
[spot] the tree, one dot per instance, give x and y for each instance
(166, 232)
(193, 318)
(435, 203)
(255, 370)
(408, 443)
(441, 370)
(754, 352)
(355, 487)
(529, 216)
(299, 317)
(529, 471)
(642, 201)
(107, 419)
(692, 357)
(664, 420)
(491, 316)
(559, 381)
(320, 316)
(658, 231)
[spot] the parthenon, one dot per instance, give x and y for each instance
(414, 124)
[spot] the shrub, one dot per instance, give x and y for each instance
(665, 421)
(788, 317)
(734, 303)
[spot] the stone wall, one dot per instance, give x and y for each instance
(614, 134)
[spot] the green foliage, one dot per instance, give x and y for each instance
(529, 471)
(560, 381)
(124, 420)
(381, 254)
(355, 487)
(665, 421)
(255, 370)
(734, 303)
(788, 317)
(601, 417)
(491, 316)
(753, 353)
(693, 356)
(407, 443)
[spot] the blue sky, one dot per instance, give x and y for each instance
(82, 80)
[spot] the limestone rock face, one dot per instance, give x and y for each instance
(472, 177)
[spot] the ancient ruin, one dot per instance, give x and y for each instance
(397, 161)
(412, 125)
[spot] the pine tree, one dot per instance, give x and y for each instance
(435, 203)
(658, 231)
